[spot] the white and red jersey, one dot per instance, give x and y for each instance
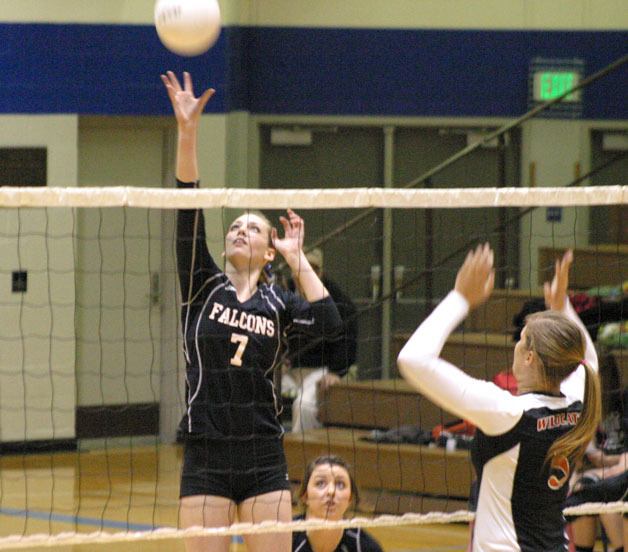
(520, 496)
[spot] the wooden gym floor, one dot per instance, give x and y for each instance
(135, 487)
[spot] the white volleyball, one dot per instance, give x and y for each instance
(187, 27)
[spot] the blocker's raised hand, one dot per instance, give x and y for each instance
(187, 108)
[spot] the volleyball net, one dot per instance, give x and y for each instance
(92, 380)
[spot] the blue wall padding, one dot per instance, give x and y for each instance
(95, 69)
(114, 69)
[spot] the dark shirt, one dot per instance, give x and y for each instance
(616, 425)
(339, 352)
(353, 540)
(232, 348)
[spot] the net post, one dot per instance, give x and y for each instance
(387, 255)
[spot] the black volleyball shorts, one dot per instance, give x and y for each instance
(234, 469)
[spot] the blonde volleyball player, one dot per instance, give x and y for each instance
(234, 328)
(526, 445)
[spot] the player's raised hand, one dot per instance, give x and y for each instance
(476, 277)
(294, 231)
(187, 108)
(556, 291)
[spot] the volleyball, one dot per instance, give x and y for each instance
(187, 27)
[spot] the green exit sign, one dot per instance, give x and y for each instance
(551, 84)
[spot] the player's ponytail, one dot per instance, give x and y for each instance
(573, 443)
(560, 347)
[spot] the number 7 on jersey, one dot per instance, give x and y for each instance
(241, 340)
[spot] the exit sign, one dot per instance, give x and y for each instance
(551, 84)
(549, 79)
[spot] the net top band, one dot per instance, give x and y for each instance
(334, 198)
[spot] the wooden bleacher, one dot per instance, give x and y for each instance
(380, 404)
(495, 316)
(393, 478)
(593, 265)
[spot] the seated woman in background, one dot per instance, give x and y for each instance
(326, 492)
(584, 528)
(605, 478)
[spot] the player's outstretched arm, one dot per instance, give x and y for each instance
(187, 110)
(192, 254)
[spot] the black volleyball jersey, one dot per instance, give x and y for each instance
(520, 499)
(231, 347)
(353, 540)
